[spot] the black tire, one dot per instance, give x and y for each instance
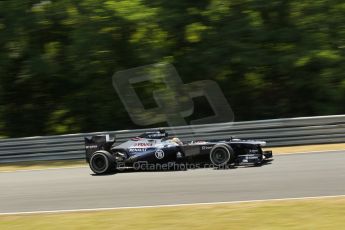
(221, 155)
(102, 162)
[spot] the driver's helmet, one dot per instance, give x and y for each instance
(177, 141)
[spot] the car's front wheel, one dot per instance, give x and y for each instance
(221, 155)
(102, 162)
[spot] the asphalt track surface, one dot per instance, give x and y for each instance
(288, 176)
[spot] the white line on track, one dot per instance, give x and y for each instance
(169, 205)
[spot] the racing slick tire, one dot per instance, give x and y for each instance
(221, 155)
(102, 162)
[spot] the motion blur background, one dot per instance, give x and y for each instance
(272, 59)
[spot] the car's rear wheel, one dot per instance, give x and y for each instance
(221, 155)
(102, 162)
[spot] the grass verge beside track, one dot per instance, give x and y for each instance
(306, 148)
(323, 213)
(36, 165)
(80, 163)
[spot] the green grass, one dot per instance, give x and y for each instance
(41, 165)
(326, 213)
(307, 148)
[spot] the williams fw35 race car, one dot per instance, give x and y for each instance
(156, 150)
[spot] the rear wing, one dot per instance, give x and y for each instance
(97, 142)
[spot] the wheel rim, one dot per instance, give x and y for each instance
(99, 163)
(220, 156)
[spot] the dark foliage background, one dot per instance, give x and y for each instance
(272, 58)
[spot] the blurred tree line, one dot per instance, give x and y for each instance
(271, 58)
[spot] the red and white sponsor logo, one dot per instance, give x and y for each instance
(143, 144)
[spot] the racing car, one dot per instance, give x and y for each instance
(104, 155)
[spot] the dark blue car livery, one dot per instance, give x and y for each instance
(104, 155)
